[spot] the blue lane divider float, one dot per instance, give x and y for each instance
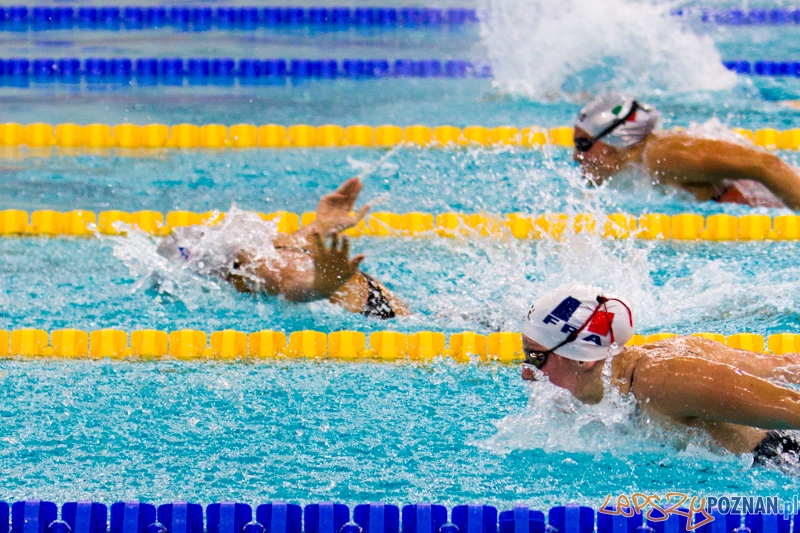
(765, 68)
(224, 71)
(173, 71)
(21, 18)
(743, 17)
(36, 516)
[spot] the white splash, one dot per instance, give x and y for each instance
(552, 49)
(192, 260)
(715, 129)
(556, 422)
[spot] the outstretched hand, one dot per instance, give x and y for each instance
(332, 266)
(334, 210)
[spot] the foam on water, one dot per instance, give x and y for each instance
(487, 284)
(551, 49)
(555, 421)
(195, 259)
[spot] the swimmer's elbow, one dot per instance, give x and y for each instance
(770, 165)
(781, 179)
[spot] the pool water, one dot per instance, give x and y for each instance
(305, 430)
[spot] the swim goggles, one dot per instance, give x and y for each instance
(538, 359)
(584, 144)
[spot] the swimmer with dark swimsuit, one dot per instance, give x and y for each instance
(309, 270)
(571, 332)
(736, 417)
(615, 133)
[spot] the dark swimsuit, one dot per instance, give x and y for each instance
(776, 448)
(377, 305)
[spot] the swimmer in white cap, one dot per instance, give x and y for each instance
(306, 268)
(614, 132)
(570, 332)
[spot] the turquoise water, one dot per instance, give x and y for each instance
(317, 431)
(307, 431)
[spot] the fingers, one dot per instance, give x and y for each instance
(356, 262)
(361, 214)
(334, 242)
(345, 247)
(350, 190)
(353, 185)
(319, 244)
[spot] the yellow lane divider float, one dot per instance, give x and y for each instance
(685, 226)
(135, 137)
(188, 344)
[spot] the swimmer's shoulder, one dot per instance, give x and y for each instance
(667, 154)
(678, 346)
(645, 357)
(624, 366)
(690, 160)
(664, 145)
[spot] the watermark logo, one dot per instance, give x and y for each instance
(697, 510)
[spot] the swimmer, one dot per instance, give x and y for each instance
(615, 132)
(572, 331)
(306, 268)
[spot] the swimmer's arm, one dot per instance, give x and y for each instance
(251, 276)
(686, 388)
(332, 269)
(692, 161)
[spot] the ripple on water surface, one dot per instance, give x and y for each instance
(309, 431)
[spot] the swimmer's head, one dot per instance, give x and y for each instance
(568, 330)
(616, 120)
(607, 129)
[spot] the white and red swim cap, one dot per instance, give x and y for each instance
(600, 323)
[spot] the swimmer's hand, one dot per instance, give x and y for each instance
(332, 266)
(334, 212)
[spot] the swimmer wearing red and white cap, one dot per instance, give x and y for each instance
(614, 132)
(571, 331)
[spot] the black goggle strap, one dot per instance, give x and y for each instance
(614, 125)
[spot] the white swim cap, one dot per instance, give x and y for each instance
(600, 320)
(601, 113)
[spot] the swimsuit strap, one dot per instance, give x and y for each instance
(377, 304)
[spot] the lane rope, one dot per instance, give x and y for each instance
(204, 18)
(649, 226)
(143, 72)
(139, 140)
(742, 17)
(147, 71)
(191, 344)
